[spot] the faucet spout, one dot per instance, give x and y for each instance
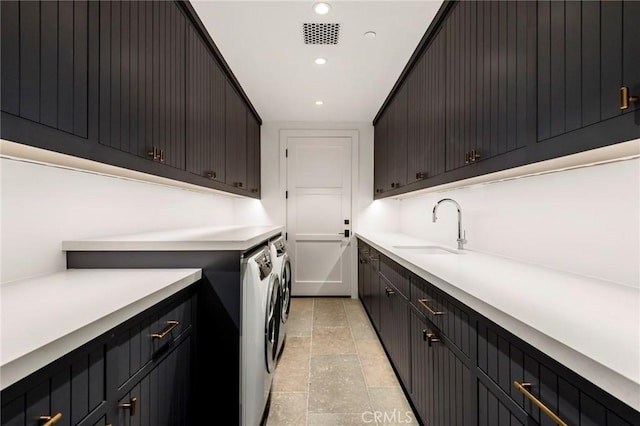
(461, 234)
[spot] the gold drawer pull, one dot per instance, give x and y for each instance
(625, 98)
(170, 326)
(423, 302)
(49, 420)
(524, 388)
(132, 406)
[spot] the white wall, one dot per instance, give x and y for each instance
(44, 205)
(584, 220)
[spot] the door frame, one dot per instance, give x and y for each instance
(354, 134)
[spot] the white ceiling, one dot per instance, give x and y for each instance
(262, 41)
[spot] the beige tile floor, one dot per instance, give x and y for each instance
(333, 370)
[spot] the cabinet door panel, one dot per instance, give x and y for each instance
(163, 394)
(142, 79)
(253, 154)
(236, 138)
(490, 103)
(586, 51)
(631, 50)
(425, 116)
(397, 139)
(10, 55)
(380, 155)
(45, 63)
(205, 111)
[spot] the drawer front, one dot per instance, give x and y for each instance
(71, 389)
(505, 359)
(150, 334)
(395, 274)
(452, 319)
(427, 300)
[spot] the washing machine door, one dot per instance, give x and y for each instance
(272, 322)
(285, 285)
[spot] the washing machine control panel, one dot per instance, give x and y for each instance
(264, 263)
(280, 247)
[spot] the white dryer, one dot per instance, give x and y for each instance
(282, 266)
(261, 307)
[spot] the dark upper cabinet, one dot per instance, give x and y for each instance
(253, 154)
(45, 63)
(501, 84)
(142, 79)
(587, 51)
(380, 162)
(206, 87)
(397, 140)
(236, 139)
(491, 101)
(425, 115)
(134, 84)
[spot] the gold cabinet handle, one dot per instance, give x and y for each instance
(132, 406)
(171, 324)
(421, 175)
(471, 156)
(429, 337)
(524, 388)
(49, 420)
(389, 291)
(154, 153)
(161, 155)
(212, 175)
(423, 302)
(625, 98)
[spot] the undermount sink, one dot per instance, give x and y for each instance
(426, 250)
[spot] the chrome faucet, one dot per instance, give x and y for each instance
(461, 234)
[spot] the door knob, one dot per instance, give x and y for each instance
(345, 233)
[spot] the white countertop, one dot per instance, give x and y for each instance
(46, 317)
(190, 239)
(589, 325)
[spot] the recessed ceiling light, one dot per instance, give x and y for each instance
(320, 61)
(370, 34)
(319, 102)
(321, 8)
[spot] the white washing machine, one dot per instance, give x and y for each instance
(261, 307)
(282, 266)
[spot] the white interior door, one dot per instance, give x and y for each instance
(318, 204)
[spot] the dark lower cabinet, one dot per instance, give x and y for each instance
(459, 368)
(73, 389)
(506, 362)
(127, 376)
(161, 397)
(441, 388)
(394, 329)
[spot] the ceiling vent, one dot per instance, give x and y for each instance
(321, 33)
